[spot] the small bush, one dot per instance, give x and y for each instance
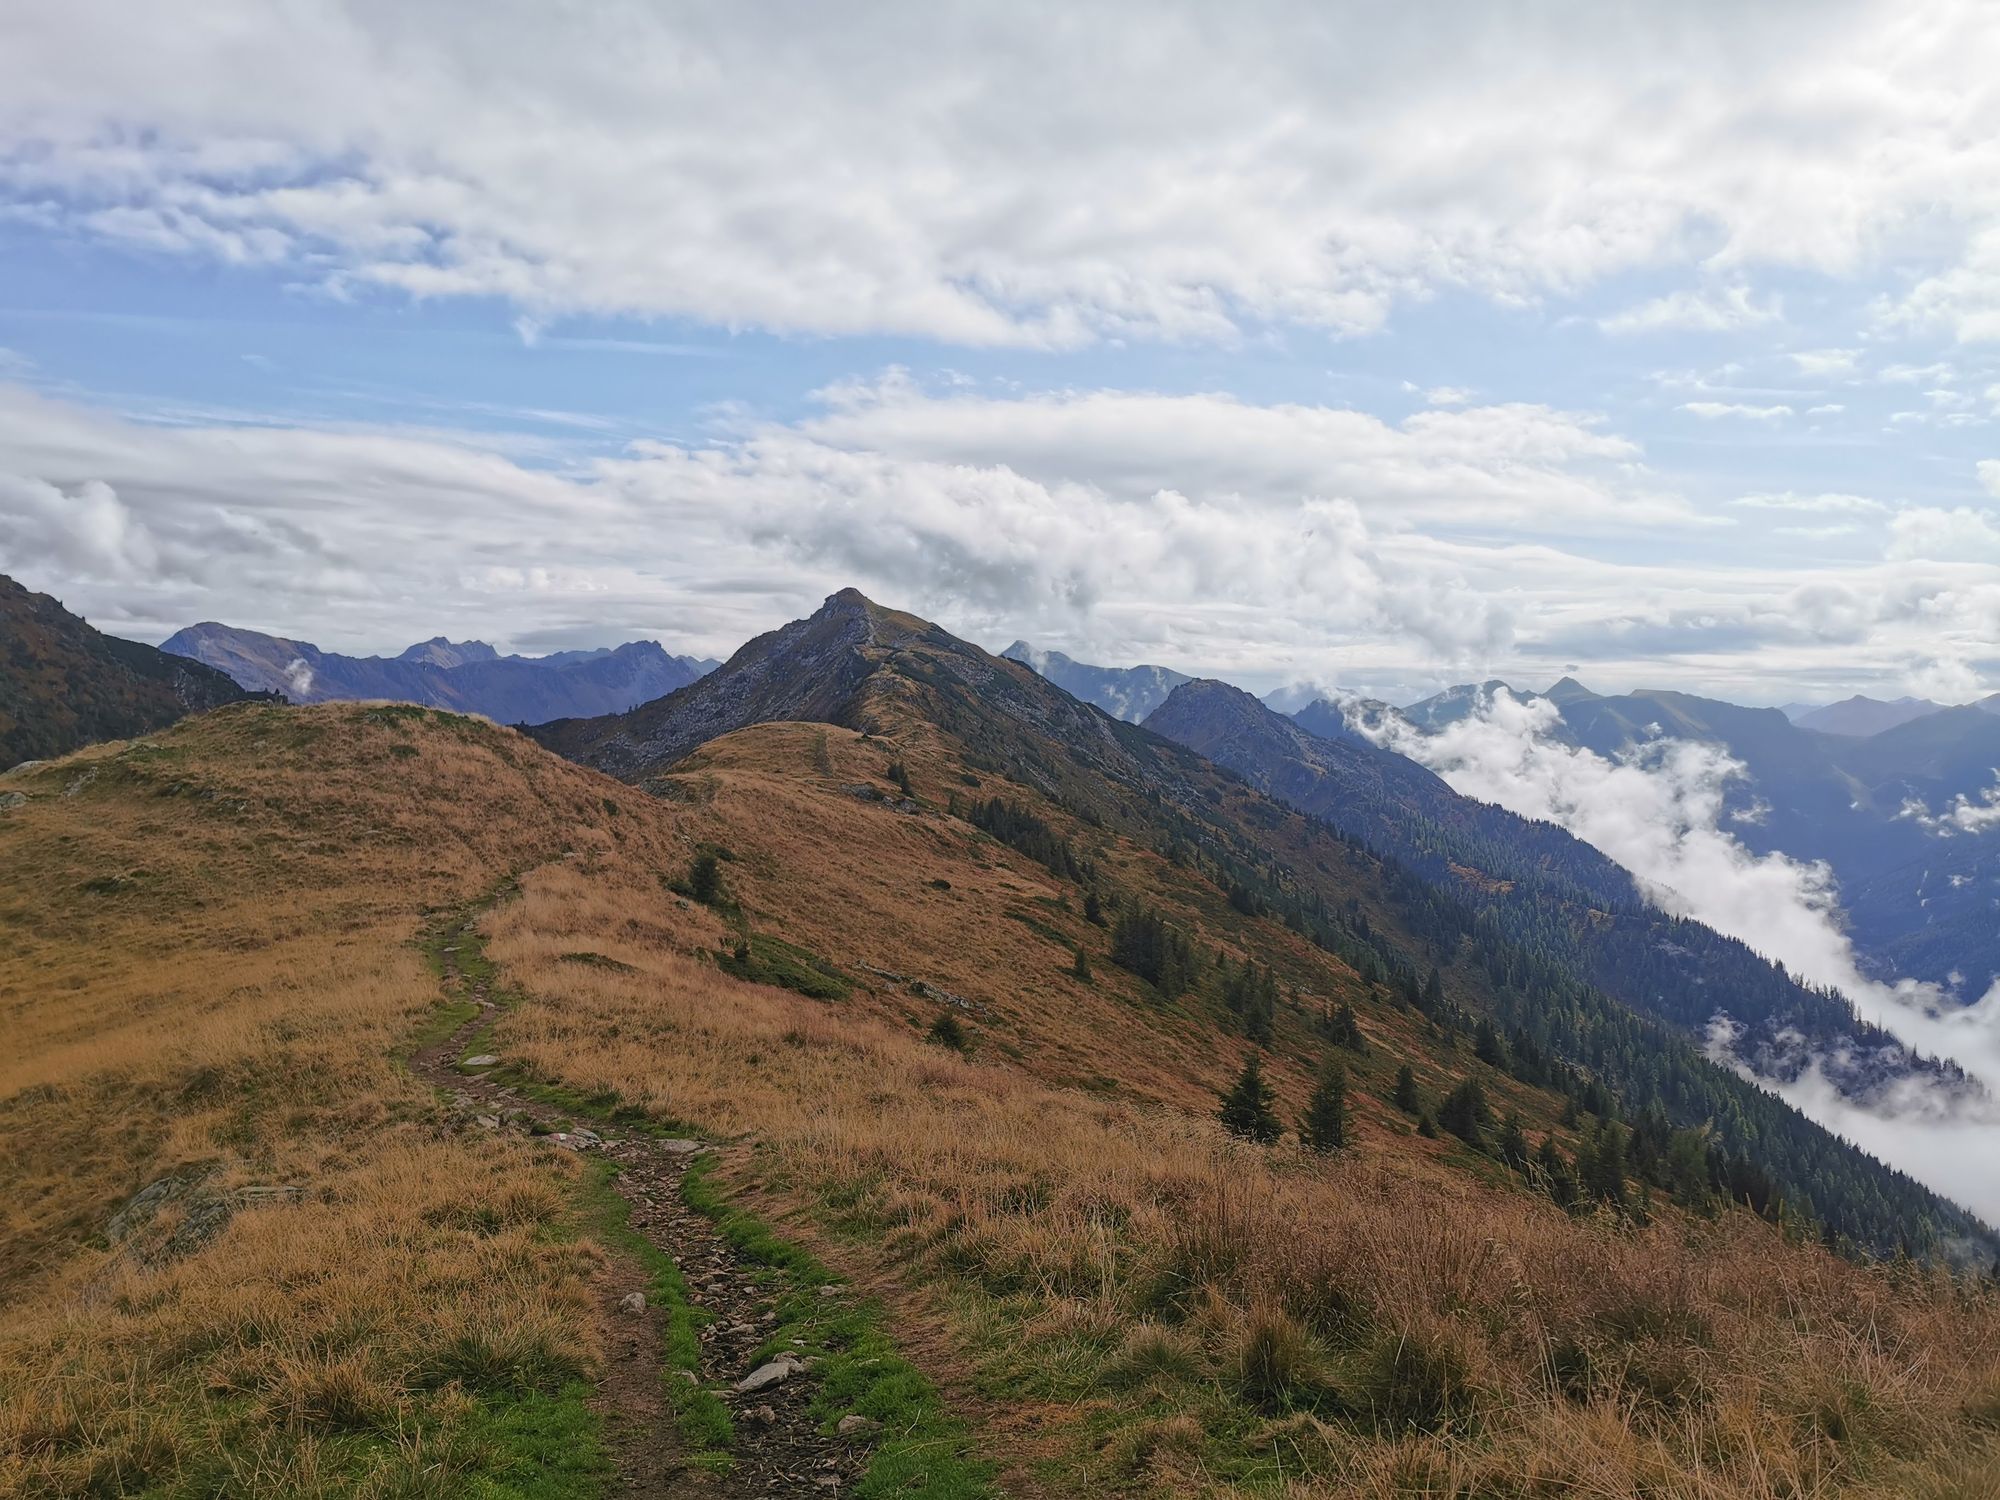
(947, 1031)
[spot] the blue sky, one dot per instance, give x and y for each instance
(1323, 346)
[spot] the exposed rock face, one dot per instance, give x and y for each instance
(465, 676)
(64, 685)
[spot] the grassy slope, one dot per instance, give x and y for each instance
(207, 962)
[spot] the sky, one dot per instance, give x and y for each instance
(1370, 346)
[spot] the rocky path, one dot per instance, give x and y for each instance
(778, 1448)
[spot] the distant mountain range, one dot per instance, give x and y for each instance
(1128, 693)
(1865, 716)
(467, 676)
(1918, 888)
(65, 684)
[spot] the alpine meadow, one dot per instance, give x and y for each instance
(1453, 955)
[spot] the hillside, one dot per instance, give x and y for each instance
(1551, 894)
(1845, 798)
(1115, 1296)
(859, 666)
(1861, 716)
(465, 676)
(64, 684)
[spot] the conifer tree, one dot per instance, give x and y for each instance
(1246, 1107)
(1405, 1098)
(1080, 970)
(1324, 1128)
(1464, 1113)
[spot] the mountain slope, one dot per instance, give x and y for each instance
(1862, 716)
(466, 676)
(1842, 798)
(1128, 693)
(861, 667)
(1547, 890)
(210, 966)
(64, 684)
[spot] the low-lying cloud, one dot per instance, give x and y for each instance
(1659, 811)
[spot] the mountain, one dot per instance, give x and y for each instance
(1863, 716)
(885, 674)
(64, 684)
(1545, 890)
(364, 1060)
(1845, 799)
(468, 676)
(1128, 693)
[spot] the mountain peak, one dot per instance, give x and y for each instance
(1568, 690)
(440, 652)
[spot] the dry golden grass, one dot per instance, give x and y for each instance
(1188, 1314)
(1383, 1325)
(207, 963)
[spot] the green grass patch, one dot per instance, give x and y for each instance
(769, 960)
(704, 1421)
(921, 1450)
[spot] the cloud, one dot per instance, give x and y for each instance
(1823, 504)
(1258, 542)
(1822, 363)
(1963, 815)
(1989, 475)
(1710, 411)
(1658, 811)
(1448, 395)
(1716, 311)
(1960, 535)
(1022, 176)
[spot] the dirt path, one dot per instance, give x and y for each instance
(778, 1448)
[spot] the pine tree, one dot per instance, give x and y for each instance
(1405, 1098)
(1093, 909)
(1080, 970)
(1512, 1144)
(1464, 1113)
(1487, 1046)
(1601, 1165)
(1324, 1128)
(1246, 1108)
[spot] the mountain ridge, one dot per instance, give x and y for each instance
(467, 676)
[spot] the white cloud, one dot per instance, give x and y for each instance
(1448, 395)
(1961, 535)
(1657, 811)
(1022, 175)
(1260, 542)
(1824, 504)
(1822, 363)
(1963, 815)
(1989, 475)
(1715, 311)
(1710, 411)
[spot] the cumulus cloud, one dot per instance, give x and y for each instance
(1021, 175)
(1960, 535)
